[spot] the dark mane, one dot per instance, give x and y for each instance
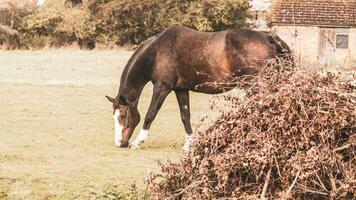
(139, 50)
(283, 50)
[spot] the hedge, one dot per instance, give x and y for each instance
(116, 22)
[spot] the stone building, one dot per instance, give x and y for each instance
(319, 31)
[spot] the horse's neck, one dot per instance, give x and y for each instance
(132, 87)
(134, 76)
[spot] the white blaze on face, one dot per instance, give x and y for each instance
(118, 128)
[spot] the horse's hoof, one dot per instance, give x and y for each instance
(117, 142)
(135, 145)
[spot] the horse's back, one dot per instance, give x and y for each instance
(186, 57)
(240, 46)
(189, 56)
(248, 50)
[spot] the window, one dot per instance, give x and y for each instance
(342, 41)
(342, 38)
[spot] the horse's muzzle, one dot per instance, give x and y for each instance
(124, 144)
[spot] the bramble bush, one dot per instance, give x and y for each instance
(121, 22)
(130, 22)
(11, 18)
(292, 136)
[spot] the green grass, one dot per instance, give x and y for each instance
(56, 126)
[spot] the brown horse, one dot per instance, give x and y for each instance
(182, 59)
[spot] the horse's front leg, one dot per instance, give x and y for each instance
(184, 107)
(160, 93)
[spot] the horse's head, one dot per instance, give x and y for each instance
(126, 117)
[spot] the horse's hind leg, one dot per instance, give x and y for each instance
(160, 93)
(183, 101)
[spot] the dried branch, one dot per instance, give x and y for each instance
(346, 146)
(8, 30)
(265, 186)
(291, 121)
(293, 183)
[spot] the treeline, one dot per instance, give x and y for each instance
(109, 23)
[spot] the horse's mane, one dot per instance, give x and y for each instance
(282, 48)
(139, 51)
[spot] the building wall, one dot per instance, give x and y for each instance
(303, 41)
(352, 47)
(317, 45)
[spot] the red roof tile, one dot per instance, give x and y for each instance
(315, 12)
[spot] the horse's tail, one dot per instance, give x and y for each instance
(282, 49)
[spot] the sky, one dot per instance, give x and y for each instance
(261, 4)
(40, 2)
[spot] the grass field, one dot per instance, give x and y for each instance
(56, 127)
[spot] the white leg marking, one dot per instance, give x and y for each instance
(188, 142)
(118, 128)
(142, 137)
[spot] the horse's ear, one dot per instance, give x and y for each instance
(122, 100)
(110, 99)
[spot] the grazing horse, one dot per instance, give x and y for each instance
(181, 59)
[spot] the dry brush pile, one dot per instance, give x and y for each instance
(291, 137)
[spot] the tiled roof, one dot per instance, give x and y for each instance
(315, 12)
